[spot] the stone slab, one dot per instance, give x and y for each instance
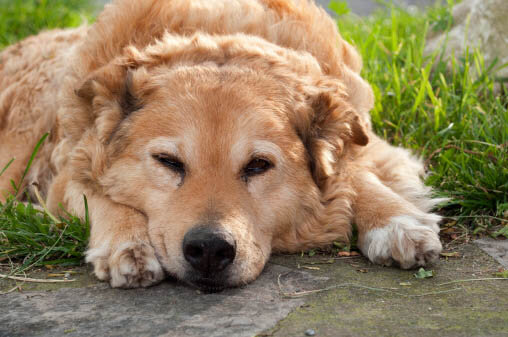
(498, 249)
(366, 300)
(353, 298)
(169, 309)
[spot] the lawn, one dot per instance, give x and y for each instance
(446, 111)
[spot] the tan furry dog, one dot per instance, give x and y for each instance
(206, 135)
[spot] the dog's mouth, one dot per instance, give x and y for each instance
(208, 284)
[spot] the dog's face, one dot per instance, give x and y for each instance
(221, 159)
(211, 158)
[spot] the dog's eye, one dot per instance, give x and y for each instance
(170, 162)
(256, 166)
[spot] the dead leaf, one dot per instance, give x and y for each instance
(450, 224)
(362, 270)
(449, 230)
(311, 268)
(450, 254)
(405, 284)
(344, 254)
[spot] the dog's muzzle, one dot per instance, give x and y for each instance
(208, 250)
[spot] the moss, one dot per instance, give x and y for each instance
(476, 308)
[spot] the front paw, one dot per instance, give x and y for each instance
(128, 265)
(405, 240)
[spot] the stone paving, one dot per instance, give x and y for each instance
(354, 298)
(496, 248)
(169, 309)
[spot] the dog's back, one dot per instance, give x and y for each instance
(38, 76)
(31, 74)
(297, 24)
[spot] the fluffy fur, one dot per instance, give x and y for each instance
(214, 84)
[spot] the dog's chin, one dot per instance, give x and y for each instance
(207, 284)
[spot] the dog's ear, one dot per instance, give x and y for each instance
(112, 95)
(339, 120)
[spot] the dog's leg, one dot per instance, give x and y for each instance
(119, 249)
(391, 229)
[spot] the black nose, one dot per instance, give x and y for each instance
(209, 249)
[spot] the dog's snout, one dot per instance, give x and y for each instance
(209, 249)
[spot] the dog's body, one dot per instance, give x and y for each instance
(207, 134)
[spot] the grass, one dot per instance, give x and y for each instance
(30, 237)
(21, 18)
(439, 108)
(450, 117)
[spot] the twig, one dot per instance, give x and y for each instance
(474, 279)
(346, 257)
(36, 280)
(10, 291)
(354, 285)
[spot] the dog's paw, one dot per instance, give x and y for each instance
(130, 265)
(405, 240)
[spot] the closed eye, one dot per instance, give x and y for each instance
(255, 167)
(171, 162)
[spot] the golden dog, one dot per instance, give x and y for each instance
(206, 135)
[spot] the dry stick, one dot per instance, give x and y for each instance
(10, 291)
(474, 279)
(37, 280)
(354, 285)
(346, 257)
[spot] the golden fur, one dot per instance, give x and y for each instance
(214, 84)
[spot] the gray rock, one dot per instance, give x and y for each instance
(169, 309)
(477, 23)
(498, 249)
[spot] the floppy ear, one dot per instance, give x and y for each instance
(335, 126)
(112, 96)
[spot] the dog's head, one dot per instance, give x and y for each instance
(226, 145)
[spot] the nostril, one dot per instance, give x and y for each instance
(224, 257)
(209, 249)
(194, 252)
(225, 254)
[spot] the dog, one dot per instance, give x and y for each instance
(206, 135)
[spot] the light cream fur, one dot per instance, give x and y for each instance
(214, 83)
